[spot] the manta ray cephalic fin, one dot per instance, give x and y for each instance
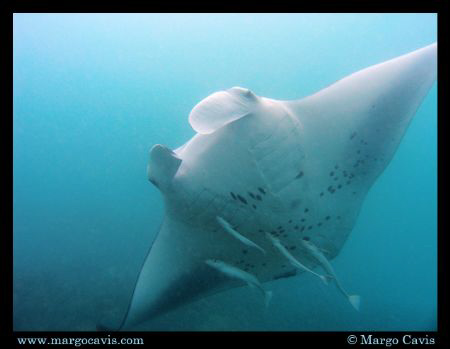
(162, 165)
(221, 108)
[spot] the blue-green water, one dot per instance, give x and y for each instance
(92, 94)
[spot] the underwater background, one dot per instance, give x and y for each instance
(93, 93)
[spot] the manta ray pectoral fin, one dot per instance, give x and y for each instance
(162, 165)
(221, 108)
(367, 113)
(170, 276)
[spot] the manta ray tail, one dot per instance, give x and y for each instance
(355, 301)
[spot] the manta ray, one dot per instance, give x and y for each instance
(270, 188)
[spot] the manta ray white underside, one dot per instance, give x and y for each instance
(258, 167)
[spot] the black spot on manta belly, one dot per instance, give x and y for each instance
(258, 197)
(251, 195)
(300, 175)
(242, 199)
(295, 203)
(232, 195)
(261, 190)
